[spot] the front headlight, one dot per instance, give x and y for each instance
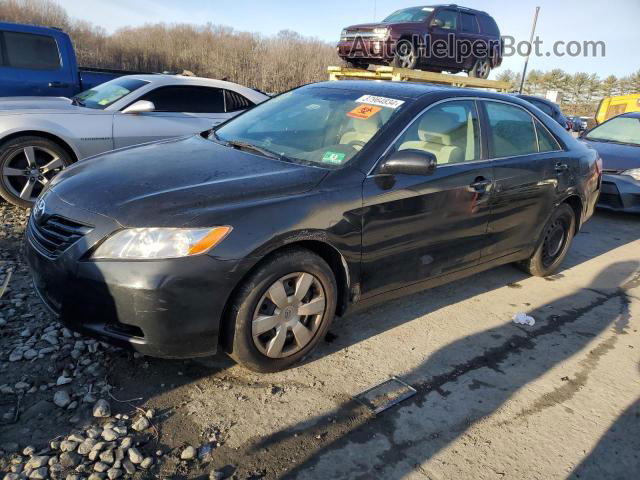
(157, 243)
(634, 173)
(343, 35)
(381, 32)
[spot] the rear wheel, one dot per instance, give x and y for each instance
(481, 69)
(554, 245)
(281, 311)
(27, 165)
(406, 55)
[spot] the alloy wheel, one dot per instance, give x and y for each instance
(288, 315)
(482, 68)
(29, 169)
(406, 55)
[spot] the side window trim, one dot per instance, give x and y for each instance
(3, 52)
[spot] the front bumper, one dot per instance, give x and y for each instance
(165, 308)
(620, 193)
(367, 49)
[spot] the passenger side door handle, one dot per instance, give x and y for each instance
(561, 167)
(58, 85)
(480, 185)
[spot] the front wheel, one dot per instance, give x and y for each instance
(406, 55)
(27, 165)
(554, 245)
(281, 311)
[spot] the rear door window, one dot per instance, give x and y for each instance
(512, 131)
(469, 23)
(546, 141)
(446, 19)
(29, 51)
(187, 99)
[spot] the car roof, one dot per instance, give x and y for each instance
(410, 90)
(535, 97)
(631, 115)
(161, 79)
(459, 7)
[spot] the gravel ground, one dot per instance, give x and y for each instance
(494, 400)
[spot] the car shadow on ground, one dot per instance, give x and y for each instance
(411, 439)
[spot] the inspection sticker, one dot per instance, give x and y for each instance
(364, 111)
(380, 101)
(335, 158)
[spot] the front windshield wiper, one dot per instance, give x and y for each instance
(240, 145)
(77, 101)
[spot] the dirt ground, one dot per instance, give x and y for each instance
(560, 399)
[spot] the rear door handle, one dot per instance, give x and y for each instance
(561, 167)
(480, 185)
(58, 85)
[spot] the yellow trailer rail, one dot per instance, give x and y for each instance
(405, 75)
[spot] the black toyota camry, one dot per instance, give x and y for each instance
(251, 237)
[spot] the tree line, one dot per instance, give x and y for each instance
(270, 63)
(578, 93)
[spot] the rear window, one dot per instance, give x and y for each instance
(235, 102)
(29, 51)
(469, 23)
(488, 25)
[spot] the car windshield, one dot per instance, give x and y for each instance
(319, 126)
(102, 96)
(618, 130)
(414, 14)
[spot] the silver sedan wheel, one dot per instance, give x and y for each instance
(288, 315)
(29, 169)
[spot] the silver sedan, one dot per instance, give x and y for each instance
(39, 136)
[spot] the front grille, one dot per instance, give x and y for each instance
(55, 235)
(611, 200)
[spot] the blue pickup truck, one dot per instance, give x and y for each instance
(41, 61)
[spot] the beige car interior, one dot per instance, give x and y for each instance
(360, 131)
(445, 135)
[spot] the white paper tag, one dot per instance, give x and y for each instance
(380, 101)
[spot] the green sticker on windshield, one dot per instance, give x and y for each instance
(335, 158)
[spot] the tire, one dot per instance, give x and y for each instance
(358, 65)
(550, 254)
(264, 352)
(29, 160)
(406, 55)
(481, 68)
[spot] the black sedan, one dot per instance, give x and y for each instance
(253, 236)
(618, 142)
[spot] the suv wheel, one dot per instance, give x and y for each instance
(27, 164)
(281, 311)
(406, 55)
(554, 245)
(481, 69)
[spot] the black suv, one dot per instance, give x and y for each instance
(437, 38)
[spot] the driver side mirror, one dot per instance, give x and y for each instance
(436, 22)
(409, 162)
(141, 106)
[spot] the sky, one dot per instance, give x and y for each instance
(614, 22)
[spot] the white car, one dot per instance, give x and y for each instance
(39, 136)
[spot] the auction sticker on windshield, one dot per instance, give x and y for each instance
(364, 111)
(380, 101)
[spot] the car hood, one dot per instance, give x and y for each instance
(19, 105)
(367, 27)
(616, 156)
(171, 182)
